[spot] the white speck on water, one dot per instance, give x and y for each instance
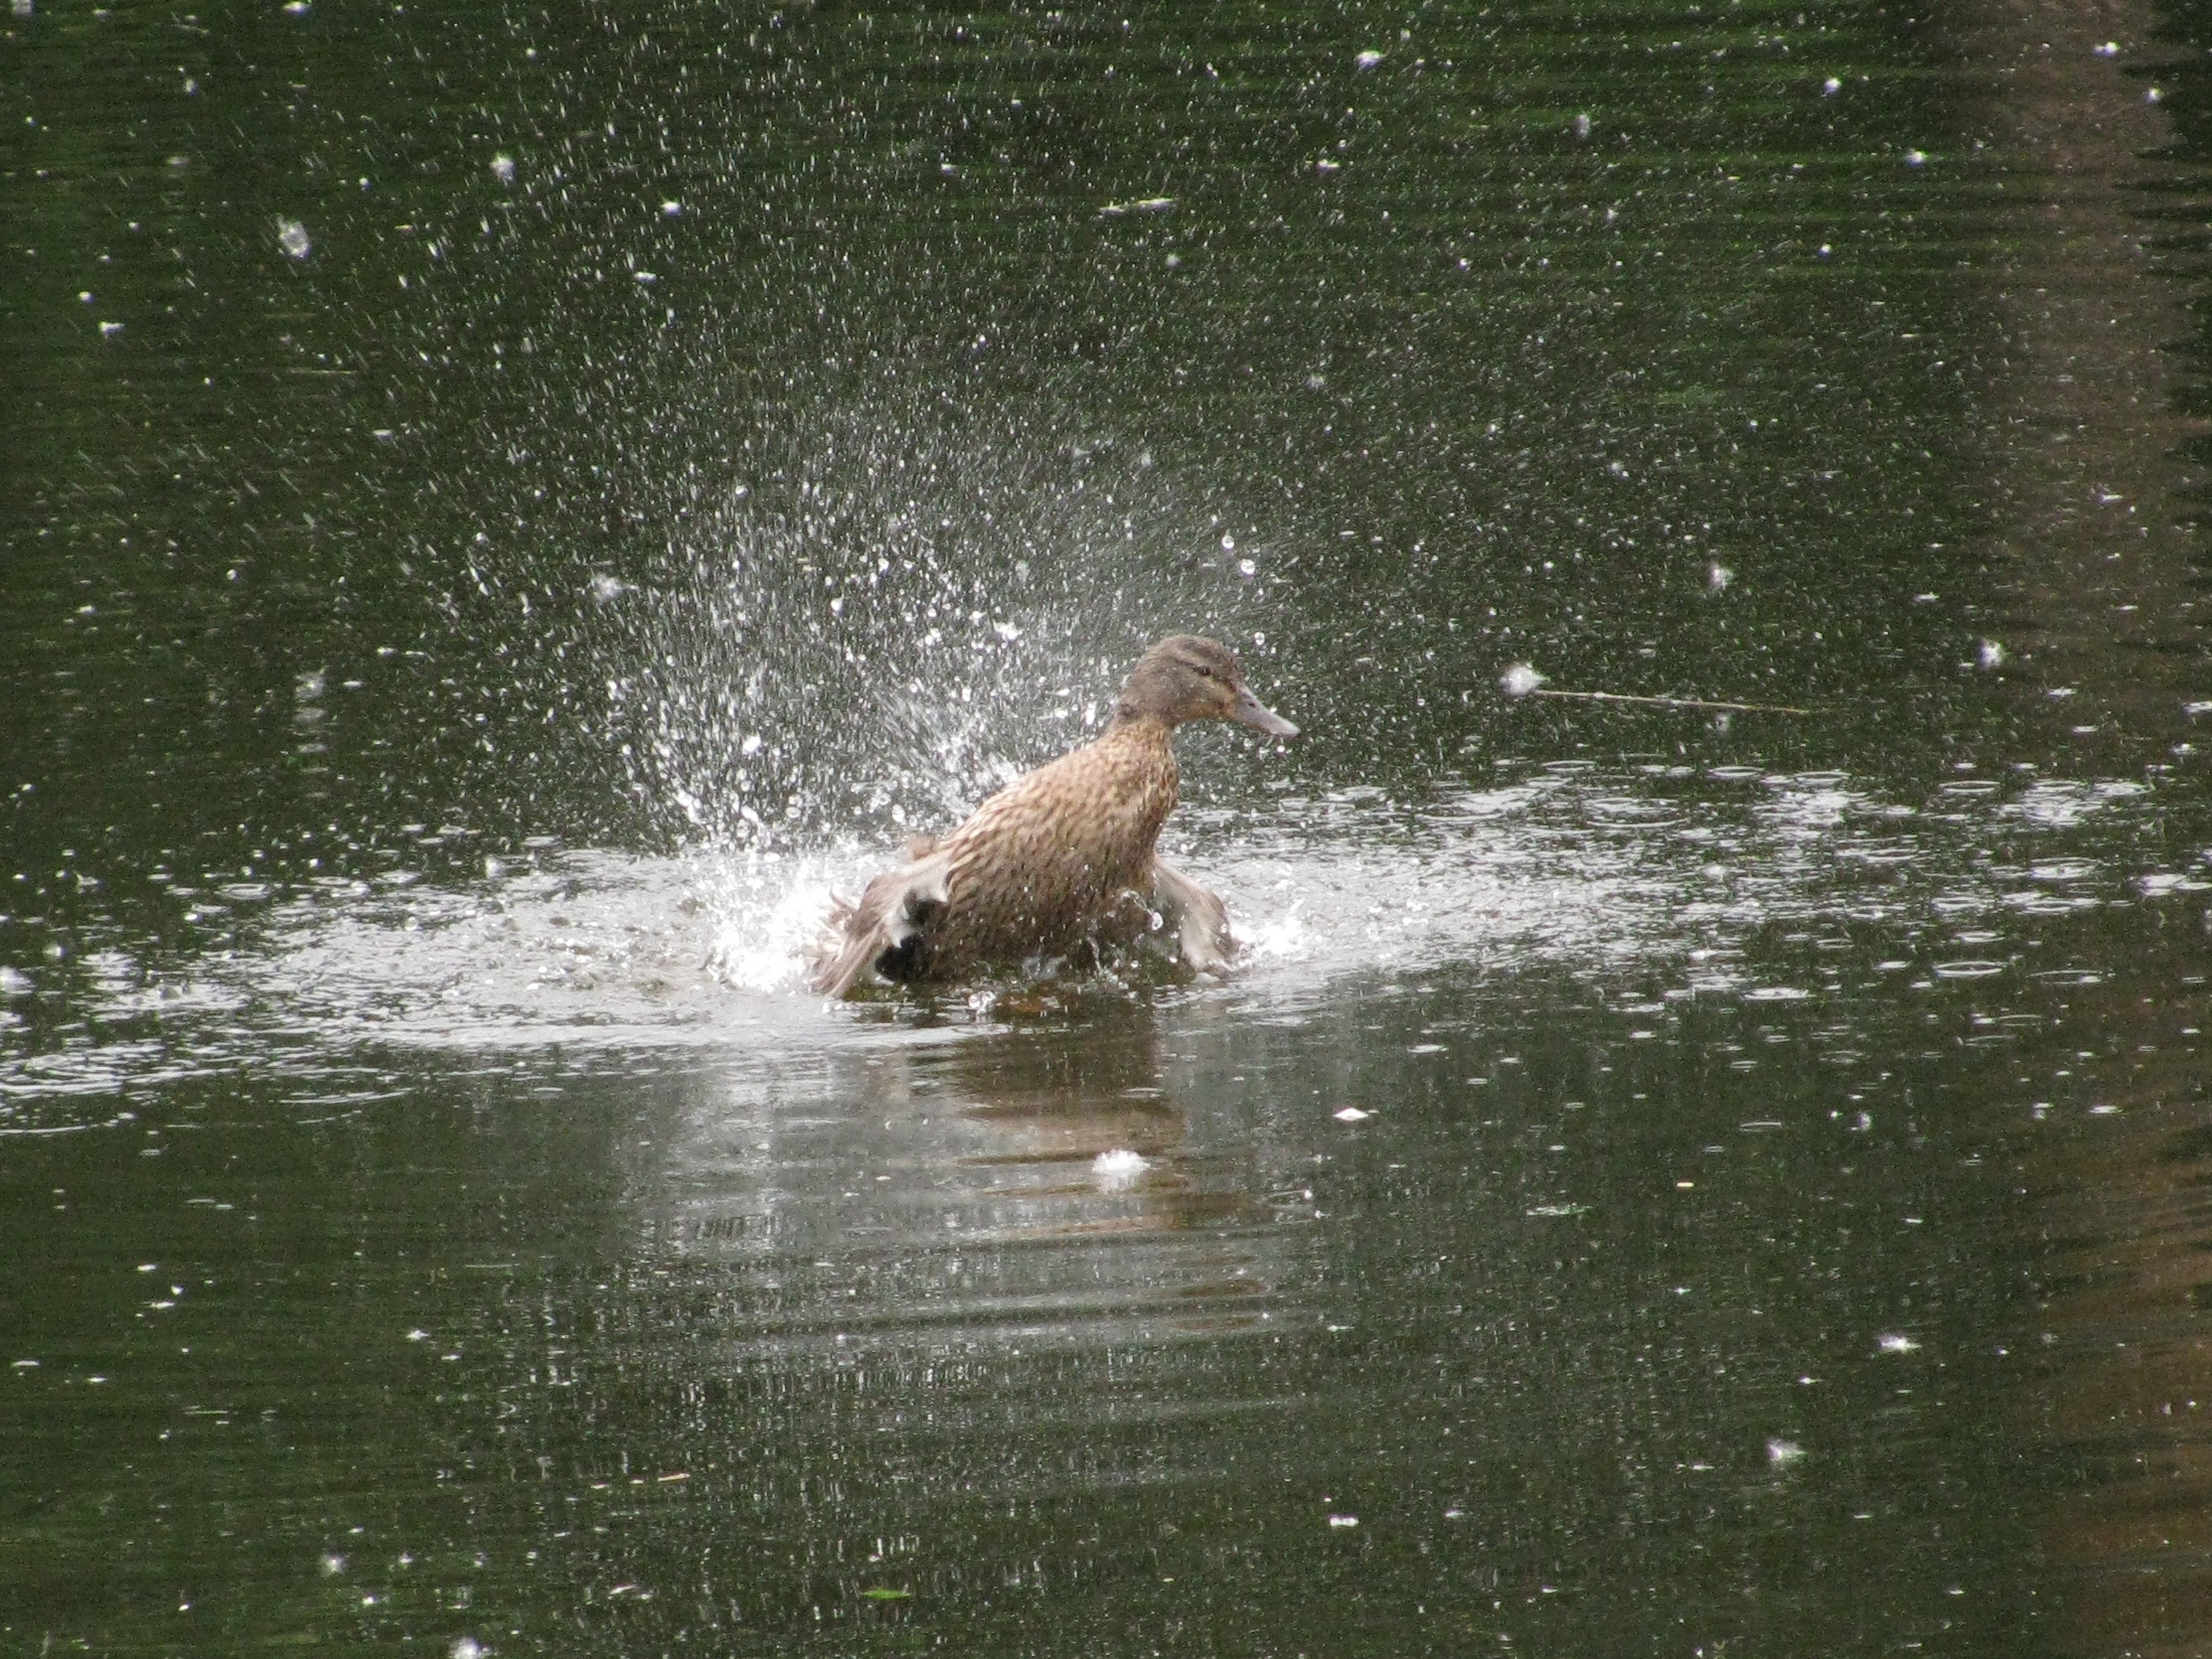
(332, 1565)
(1351, 1115)
(1117, 1170)
(86, 295)
(1896, 1342)
(110, 329)
(1782, 1453)
(1916, 158)
(2193, 709)
(1341, 1522)
(1718, 577)
(1582, 126)
(646, 277)
(419, 1334)
(2154, 95)
(14, 983)
(292, 237)
(607, 589)
(21, 8)
(1007, 631)
(1825, 250)
(503, 168)
(1228, 542)
(465, 1647)
(1991, 654)
(1324, 165)
(298, 8)
(672, 209)
(2111, 48)
(1831, 86)
(1520, 679)
(751, 744)
(1368, 60)
(2104, 1111)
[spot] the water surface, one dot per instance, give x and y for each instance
(505, 513)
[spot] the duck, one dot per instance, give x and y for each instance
(1064, 855)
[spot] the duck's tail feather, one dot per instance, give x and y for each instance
(886, 929)
(1196, 914)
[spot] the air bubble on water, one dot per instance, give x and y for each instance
(1520, 679)
(1368, 60)
(503, 168)
(291, 236)
(1118, 1170)
(1246, 568)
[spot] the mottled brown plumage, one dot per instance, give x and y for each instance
(1062, 855)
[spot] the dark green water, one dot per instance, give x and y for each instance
(503, 509)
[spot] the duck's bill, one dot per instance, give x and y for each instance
(1252, 712)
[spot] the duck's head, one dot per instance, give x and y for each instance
(1187, 678)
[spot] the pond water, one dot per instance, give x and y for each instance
(506, 511)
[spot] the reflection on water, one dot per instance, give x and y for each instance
(508, 513)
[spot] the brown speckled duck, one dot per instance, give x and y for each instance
(1054, 858)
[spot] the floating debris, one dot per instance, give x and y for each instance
(1150, 204)
(1782, 1453)
(1896, 1342)
(1118, 1170)
(1523, 680)
(1351, 1115)
(1368, 60)
(503, 168)
(291, 236)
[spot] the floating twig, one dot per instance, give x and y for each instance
(1678, 702)
(1521, 681)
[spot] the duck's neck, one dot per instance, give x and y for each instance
(1135, 725)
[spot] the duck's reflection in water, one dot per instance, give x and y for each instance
(1043, 1183)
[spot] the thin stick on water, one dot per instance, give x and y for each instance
(1521, 681)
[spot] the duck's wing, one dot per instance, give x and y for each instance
(887, 929)
(1196, 914)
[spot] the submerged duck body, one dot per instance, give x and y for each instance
(1061, 855)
